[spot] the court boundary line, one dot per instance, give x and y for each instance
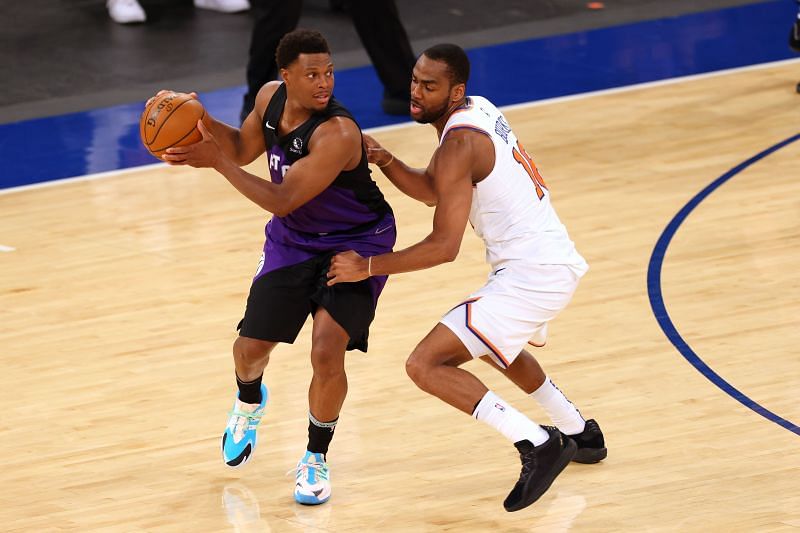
(390, 127)
(659, 309)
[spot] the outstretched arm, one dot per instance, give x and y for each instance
(451, 167)
(413, 182)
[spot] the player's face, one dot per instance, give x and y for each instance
(310, 79)
(431, 90)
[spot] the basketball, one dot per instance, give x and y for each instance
(170, 120)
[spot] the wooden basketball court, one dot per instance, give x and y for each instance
(120, 298)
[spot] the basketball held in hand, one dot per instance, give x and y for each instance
(170, 120)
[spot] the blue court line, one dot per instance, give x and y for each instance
(657, 300)
(106, 139)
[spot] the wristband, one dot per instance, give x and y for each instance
(387, 164)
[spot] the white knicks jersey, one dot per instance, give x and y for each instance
(511, 208)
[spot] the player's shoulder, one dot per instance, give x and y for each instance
(465, 141)
(474, 109)
(268, 90)
(341, 128)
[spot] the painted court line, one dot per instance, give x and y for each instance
(657, 298)
(390, 127)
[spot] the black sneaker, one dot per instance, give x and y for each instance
(591, 445)
(540, 466)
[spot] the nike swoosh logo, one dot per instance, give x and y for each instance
(381, 230)
(268, 125)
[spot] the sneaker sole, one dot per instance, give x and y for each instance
(590, 456)
(303, 501)
(563, 460)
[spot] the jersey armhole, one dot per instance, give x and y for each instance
(465, 127)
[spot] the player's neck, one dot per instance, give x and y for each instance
(294, 114)
(441, 122)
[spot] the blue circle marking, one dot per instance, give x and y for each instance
(657, 300)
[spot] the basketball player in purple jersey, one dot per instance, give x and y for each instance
(323, 201)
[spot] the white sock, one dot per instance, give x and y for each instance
(511, 423)
(564, 415)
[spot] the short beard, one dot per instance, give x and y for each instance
(433, 115)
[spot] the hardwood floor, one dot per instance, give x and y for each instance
(120, 298)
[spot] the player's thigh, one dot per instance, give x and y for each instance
(439, 347)
(350, 305)
(279, 303)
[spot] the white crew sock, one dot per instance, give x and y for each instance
(515, 426)
(564, 415)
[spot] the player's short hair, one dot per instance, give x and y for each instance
(454, 57)
(299, 41)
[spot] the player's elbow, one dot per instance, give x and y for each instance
(284, 209)
(443, 248)
(280, 206)
(450, 256)
(449, 252)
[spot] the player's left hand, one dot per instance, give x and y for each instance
(202, 154)
(162, 91)
(347, 266)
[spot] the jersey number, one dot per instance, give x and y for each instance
(522, 157)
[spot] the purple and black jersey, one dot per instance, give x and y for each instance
(351, 214)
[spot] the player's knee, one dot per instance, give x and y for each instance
(326, 365)
(417, 369)
(251, 351)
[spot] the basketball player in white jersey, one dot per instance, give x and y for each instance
(481, 173)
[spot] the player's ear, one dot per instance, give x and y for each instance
(458, 92)
(284, 74)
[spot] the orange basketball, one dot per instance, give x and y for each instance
(170, 120)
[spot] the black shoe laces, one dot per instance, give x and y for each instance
(529, 458)
(528, 464)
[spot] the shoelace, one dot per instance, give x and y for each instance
(528, 462)
(242, 419)
(320, 468)
(529, 458)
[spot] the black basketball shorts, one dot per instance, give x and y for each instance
(281, 300)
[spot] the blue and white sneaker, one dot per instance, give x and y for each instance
(239, 439)
(312, 485)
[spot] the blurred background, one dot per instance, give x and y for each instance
(74, 80)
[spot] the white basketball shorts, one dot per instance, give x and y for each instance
(513, 309)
